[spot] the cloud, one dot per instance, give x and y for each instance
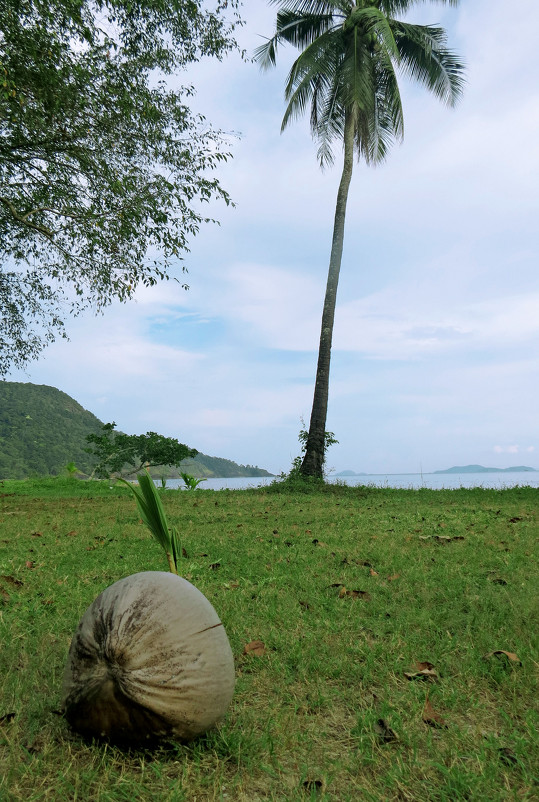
(513, 449)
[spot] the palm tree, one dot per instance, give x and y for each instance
(347, 73)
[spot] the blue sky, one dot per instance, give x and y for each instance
(436, 345)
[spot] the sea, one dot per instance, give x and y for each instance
(411, 481)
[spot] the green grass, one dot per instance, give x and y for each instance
(450, 576)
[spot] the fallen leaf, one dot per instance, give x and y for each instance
(511, 656)
(72, 533)
(507, 756)
(424, 671)
(256, 648)
(393, 577)
(29, 563)
(313, 786)
(372, 572)
(17, 583)
(384, 732)
(431, 717)
(354, 594)
(422, 666)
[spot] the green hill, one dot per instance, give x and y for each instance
(42, 429)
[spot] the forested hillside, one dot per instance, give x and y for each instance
(43, 429)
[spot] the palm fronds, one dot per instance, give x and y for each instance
(350, 53)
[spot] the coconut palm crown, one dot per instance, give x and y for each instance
(347, 73)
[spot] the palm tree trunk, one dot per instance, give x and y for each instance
(313, 460)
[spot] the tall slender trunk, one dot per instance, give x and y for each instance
(313, 460)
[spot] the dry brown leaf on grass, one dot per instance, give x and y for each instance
(424, 671)
(16, 583)
(354, 594)
(431, 717)
(255, 648)
(384, 732)
(313, 787)
(393, 577)
(511, 656)
(507, 756)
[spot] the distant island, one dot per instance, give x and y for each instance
(351, 473)
(482, 469)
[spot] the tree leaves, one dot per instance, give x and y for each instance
(117, 452)
(101, 163)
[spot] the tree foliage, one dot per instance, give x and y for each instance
(119, 453)
(102, 164)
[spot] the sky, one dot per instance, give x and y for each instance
(435, 358)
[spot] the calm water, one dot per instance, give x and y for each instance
(414, 481)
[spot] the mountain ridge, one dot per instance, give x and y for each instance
(42, 429)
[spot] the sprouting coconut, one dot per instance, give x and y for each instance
(149, 660)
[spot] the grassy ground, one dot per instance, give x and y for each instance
(327, 712)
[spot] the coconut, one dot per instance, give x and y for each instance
(150, 660)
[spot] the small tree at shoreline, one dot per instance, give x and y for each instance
(126, 454)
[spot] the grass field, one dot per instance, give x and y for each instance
(384, 615)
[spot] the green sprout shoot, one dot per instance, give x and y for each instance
(153, 514)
